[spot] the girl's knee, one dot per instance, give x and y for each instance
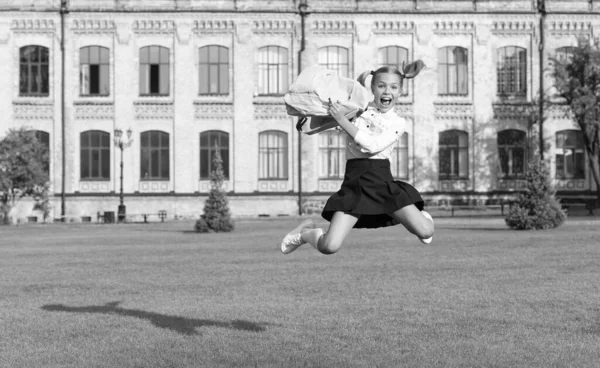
(328, 245)
(426, 230)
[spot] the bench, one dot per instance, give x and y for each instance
(162, 215)
(589, 203)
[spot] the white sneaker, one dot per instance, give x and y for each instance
(430, 239)
(293, 239)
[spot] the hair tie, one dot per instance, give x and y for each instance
(372, 72)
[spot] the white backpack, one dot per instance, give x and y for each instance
(309, 97)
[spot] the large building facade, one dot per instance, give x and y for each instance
(182, 75)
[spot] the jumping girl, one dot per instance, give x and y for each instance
(369, 196)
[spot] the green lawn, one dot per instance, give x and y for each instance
(160, 295)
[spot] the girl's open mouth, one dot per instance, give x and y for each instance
(385, 101)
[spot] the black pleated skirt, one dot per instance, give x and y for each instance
(370, 191)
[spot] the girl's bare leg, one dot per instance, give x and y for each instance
(414, 221)
(331, 241)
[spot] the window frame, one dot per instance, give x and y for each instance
(281, 153)
(445, 65)
(222, 69)
(332, 155)
(152, 67)
(563, 174)
(511, 83)
(160, 148)
(103, 152)
(266, 67)
(99, 63)
(223, 150)
(454, 154)
(36, 66)
(401, 147)
(510, 147)
(324, 53)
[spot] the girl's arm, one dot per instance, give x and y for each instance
(335, 110)
(368, 143)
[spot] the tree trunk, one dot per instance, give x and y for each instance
(594, 161)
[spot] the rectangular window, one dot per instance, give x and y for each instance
(570, 156)
(207, 150)
(272, 70)
(94, 155)
(332, 152)
(214, 70)
(154, 156)
(453, 78)
(273, 157)
(33, 71)
(453, 155)
(154, 74)
(399, 159)
(94, 71)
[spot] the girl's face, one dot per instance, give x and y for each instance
(386, 88)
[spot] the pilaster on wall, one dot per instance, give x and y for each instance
(425, 89)
(126, 56)
(186, 86)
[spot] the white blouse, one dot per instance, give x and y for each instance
(377, 135)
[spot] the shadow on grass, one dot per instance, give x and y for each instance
(182, 325)
(472, 228)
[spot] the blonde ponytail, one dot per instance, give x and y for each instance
(362, 79)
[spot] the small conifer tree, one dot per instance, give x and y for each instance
(42, 200)
(216, 217)
(537, 208)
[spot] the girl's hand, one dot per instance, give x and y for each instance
(335, 110)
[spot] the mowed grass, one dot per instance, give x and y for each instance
(160, 295)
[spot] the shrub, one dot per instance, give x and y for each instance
(537, 208)
(216, 216)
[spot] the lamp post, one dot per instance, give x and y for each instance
(122, 144)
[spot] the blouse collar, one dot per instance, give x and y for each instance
(374, 109)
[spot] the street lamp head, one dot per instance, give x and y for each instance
(118, 133)
(129, 133)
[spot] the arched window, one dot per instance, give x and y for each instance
(332, 154)
(214, 70)
(94, 155)
(394, 56)
(335, 58)
(570, 159)
(44, 139)
(207, 150)
(33, 71)
(399, 159)
(154, 155)
(511, 68)
(272, 70)
(272, 155)
(512, 149)
(154, 71)
(454, 154)
(94, 78)
(453, 77)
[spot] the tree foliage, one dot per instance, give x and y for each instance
(577, 80)
(537, 207)
(23, 168)
(216, 216)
